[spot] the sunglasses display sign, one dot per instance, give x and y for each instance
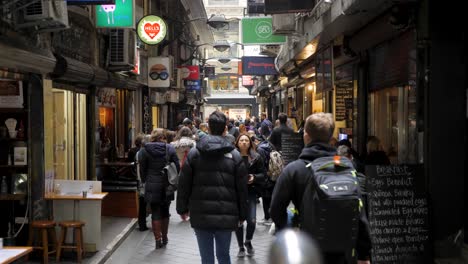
(152, 29)
(159, 72)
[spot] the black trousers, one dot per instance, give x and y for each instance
(141, 212)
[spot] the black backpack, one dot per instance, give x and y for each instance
(331, 204)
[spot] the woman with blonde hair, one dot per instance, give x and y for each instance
(153, 158)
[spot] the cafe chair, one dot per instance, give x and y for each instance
(77, 242)
(44, 228)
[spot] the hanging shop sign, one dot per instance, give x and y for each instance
(152, 29)
(258, 66)
(247, 80)
(190, 72)
(259, 30)
(120, 15)
(192, 85)
(136, 69)
(159, 72)
(290, 6)
(91, 2)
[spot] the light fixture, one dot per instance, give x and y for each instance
(221, 45)
(226, 68)
(217, 21)
(224, 60)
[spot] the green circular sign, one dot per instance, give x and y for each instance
(263, 29)
(151, 29)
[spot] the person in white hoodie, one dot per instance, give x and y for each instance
(184, 143)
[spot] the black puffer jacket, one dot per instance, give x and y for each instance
(213, 185)
(291, 185)
(257, 169)
(152, 161)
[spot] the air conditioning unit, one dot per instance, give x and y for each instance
(284, 24)
(122, 49)
(43, 15)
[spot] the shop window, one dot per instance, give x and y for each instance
(392, 118)
(65, 133)
(224, 83)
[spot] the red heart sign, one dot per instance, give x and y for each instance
(152, 29)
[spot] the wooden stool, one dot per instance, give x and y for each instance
(46, 227)
(77, 241)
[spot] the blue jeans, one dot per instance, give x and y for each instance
(251, 221)
(205, 239)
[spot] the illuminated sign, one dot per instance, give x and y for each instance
(258, 66)
(120, 15)
(152, 29)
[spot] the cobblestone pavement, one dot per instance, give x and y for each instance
(182, 247)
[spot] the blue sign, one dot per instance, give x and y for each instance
(258, 66)
(192, 85)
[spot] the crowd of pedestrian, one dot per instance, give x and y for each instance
(226, 166)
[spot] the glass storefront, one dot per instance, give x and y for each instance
(65, 133)
(392, 118)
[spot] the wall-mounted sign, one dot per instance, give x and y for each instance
(190, 72)
(258, 66)
(11, 93)
(120, 15)
(91, 2)
(152, 29)
(159, 72)
(192, 85)
(259, 30)
(106, 97)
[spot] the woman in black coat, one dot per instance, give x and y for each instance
(153, 158)
(256, 180)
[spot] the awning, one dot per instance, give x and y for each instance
(61, 68)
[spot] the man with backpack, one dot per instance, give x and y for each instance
(324, 189)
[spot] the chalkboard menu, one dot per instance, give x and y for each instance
(398, 214)
(291, 146)
(343, 100)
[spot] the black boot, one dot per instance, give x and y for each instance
(164, 230)
(157, 233)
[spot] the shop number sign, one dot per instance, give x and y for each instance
(152, 29)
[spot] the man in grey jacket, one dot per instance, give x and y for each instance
(213, 190)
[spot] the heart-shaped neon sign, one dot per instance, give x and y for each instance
(152, 30)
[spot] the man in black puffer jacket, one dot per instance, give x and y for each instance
(213, 189)
(292, 183)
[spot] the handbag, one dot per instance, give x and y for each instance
(172, 176)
